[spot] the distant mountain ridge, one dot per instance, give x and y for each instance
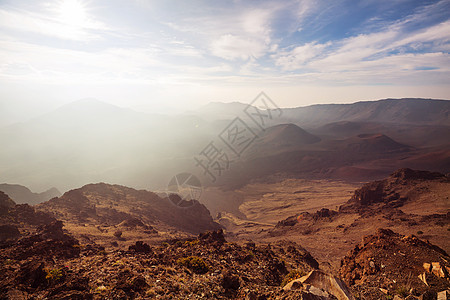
(91, 141)
(398, 111)
(21, 194)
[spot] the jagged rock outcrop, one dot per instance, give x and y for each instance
(391, 263)
(387, 192)
(110, 205)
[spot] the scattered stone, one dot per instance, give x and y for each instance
(438, 270)
(230, 281)
(423, 278)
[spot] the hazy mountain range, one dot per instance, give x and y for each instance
(91, 141)
(22, 194)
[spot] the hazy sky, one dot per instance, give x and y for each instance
(165, 54)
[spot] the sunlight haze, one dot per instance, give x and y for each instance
(172, 56)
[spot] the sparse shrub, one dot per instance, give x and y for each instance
(294, 274)
(8, 261)
(194, 263)
(191, 243)
(53, 275)
(101, 289)
(402, 291)
(419, 232)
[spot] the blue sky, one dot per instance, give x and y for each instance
(175, 55)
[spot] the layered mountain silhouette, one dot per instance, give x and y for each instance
(91, 141)
(22, 194)
(281, 138)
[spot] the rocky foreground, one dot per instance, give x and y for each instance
(51, 264)
(43, 257)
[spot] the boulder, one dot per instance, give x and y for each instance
(444, 295)
(230, 281)
(140, 246)
(318, 280)
(9, 232)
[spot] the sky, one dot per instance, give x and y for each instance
(169, 56)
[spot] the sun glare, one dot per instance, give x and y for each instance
(72, 13)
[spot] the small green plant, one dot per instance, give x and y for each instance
(402, 291)
(53, 275)
(101, 289)
(191, 243)
(294, 274)
(194, 263)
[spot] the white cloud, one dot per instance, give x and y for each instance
(299, 56)
(237, 47)
(388, 56)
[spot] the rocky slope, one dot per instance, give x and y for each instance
(109, 205)
(402, 186)
(387, 264)
(5, 202)
(52, 264)
(410, 202)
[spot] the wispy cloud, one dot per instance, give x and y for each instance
(395, 54)
(237, 43)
